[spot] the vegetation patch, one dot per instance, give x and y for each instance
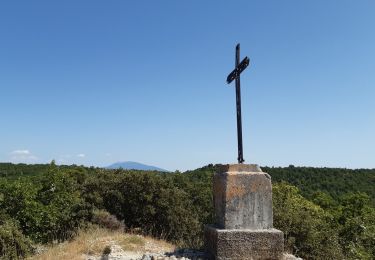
(13, 244)
(96, 241)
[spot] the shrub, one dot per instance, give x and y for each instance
(47, 209)
(13, 244)
(357, 226)
(104, 219)
(307, 228)
(149, 201)
(107, 250)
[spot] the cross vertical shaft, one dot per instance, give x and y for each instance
(238, 106)
(235, 75)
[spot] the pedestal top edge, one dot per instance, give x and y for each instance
(240, 168)
(223, 230)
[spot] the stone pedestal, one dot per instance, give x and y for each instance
(243, 216)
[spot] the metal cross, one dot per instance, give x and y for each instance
(235, 75)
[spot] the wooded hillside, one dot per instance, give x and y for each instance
(324, 213)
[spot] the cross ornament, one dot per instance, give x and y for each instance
(235, 75)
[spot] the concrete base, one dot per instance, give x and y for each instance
(241, 244)
(242, 197)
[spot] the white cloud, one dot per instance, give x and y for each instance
(81, 155)
(21, 152)
(22, 156)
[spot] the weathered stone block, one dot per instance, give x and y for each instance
(224, 244)
(243, 197)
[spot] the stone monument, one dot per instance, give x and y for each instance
(243, 203)
(243, 226)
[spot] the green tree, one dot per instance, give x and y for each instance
(357, 226)
(306, 226)
(50, 208)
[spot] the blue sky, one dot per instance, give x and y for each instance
(95, 82)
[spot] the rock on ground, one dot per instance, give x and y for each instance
(290, 257)
(116, 253)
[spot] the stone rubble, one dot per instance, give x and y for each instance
(182, 254)
(290, 257)
(117, 253)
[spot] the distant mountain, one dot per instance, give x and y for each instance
(134, 166)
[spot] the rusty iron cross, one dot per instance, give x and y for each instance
(235, 75)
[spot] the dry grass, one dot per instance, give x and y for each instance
(95, 240)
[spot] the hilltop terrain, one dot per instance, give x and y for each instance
(324, 213)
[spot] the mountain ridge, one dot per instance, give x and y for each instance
(130, 165)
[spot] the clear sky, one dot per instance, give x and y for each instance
(95, 82)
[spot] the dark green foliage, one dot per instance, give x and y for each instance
(47, 209)
(333, 181)
(104, 219)
(324, 200)
(198, 185)
(15, 171)
(307, 228)
(356, 220)
(146, 200)
(13, 244)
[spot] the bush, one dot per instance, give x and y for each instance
(357, 226)
(13, 244)
(104, 219)
(47, 209)
(107, 250)
(308, 229)
(149, 201)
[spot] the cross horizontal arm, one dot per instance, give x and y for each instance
(237, 71)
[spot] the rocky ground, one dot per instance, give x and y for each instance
(118, 254)
(102, 244)
(184, 254)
